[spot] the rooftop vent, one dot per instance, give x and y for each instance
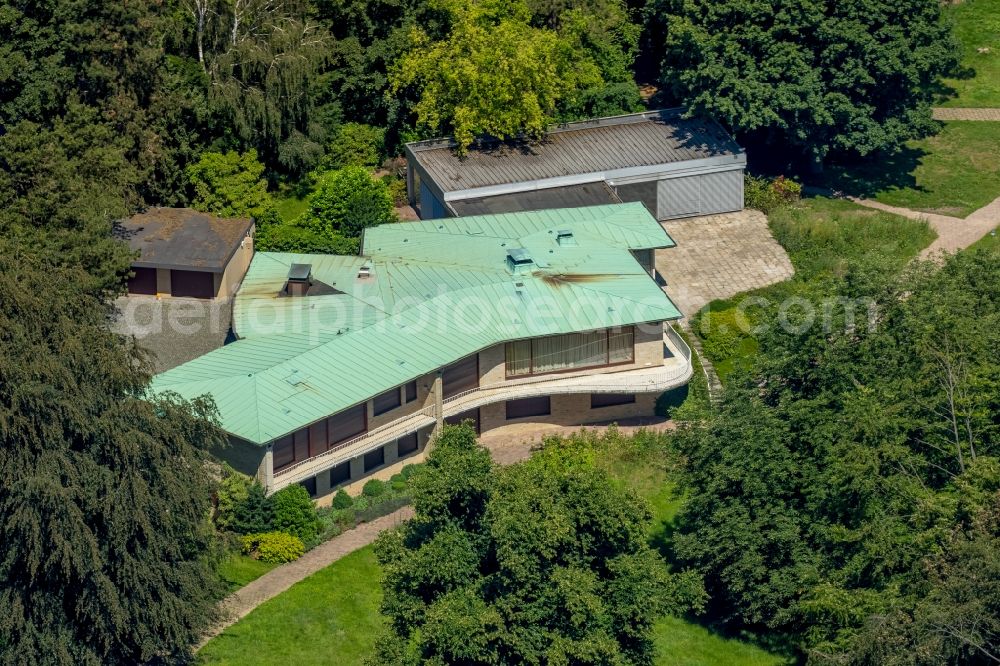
(519, 260)
(565, 237)
(365, 272)
(299, 279)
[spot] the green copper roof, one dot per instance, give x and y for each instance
(433, 292)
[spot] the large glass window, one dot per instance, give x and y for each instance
(558, 353)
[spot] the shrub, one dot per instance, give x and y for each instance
(273, 547)
(767, 195)
(294, 237)
(348, 200)
(408, 471)
(295, 513)
(356, 144)
(397, 190)
(254, 514)
(342, 500)
(721, 332)
(374, 488)
(233, 491)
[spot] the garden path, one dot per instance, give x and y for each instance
(242, 601)
(953, 233)
(941, 113)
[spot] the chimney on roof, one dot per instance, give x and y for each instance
(299, 279)
(365, 271)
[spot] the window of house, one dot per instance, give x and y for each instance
(386, 402)
(374, 459)
(301, 438)
(526, 407)
(610, 399)
(407, 445)
(310, 485)
(574, 351)
(411, 391)
(347, 424)
(340, 474)
(317, 438)
(283, 453)
(460, 376)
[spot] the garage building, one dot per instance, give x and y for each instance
(677, 167)
(186, 253)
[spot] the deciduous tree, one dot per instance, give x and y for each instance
(851, 76)
(542, 562)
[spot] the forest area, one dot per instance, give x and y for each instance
(839, 505)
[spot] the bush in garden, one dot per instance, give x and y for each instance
(355, 144)
(408, 471)
(374, 488)
(273, 547)
(768, 194)
(295, 513)
(233, 491)
(253, 514)
(721, 332)
(348, 200)
(342, 500)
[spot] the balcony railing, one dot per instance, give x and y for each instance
(673, 372)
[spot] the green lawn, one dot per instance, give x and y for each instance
(822, 237)
(291, 206)
(329, 618)
(977, 26)
(952, 173)
(681, 643)
(237, 570)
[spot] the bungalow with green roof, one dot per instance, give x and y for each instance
(345, 365)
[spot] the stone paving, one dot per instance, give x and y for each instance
(941, 113)
(240, 603)
(719, 256)
(174, 330)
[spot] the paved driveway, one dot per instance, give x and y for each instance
(719, 256)
(174, 330)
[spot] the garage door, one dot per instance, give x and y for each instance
(678, 197)
(193, 284)
(143, 282)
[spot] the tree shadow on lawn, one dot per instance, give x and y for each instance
(876, 174)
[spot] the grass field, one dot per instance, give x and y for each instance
(977, 26)
(952, 173)
(291, 206)
(237, 570)
(823, 237)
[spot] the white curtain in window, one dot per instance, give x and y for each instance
(621, 345)
(576, 350)
(518, 358)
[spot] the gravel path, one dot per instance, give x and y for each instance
(941, 113)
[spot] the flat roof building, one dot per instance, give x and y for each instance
(677, 167)
(345, 364)
(183, 252)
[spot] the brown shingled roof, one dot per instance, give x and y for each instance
(184, 238)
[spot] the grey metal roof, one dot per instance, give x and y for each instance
(183, 238)
(569, 196)
(590, 146)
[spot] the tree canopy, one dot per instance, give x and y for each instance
(854, 458)
(822, 76)
(104, 533)
(545, 561)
